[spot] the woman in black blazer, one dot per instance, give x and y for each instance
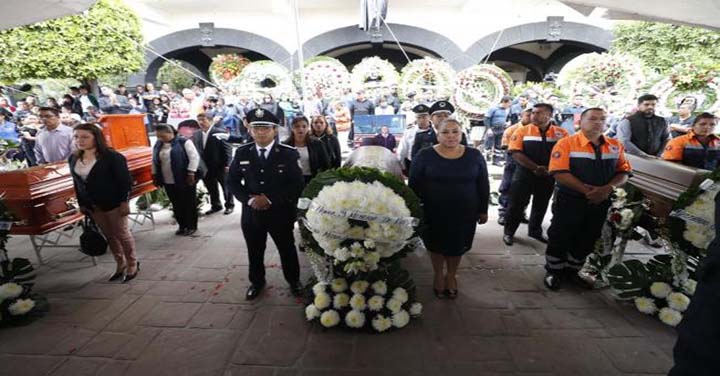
(313, 156)
(324, 133)
(102, 185)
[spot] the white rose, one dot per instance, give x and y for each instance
(376, 303)
(400, 294)
(416, 309)
(380, 287)
(322, 300)
(319, 288)
(394, 305)
(400, 319)
(369, 243)
(689, 286)
(21, 307)
(311, 312)
(341, 301)
(381, 323)
(646, 305)
(329, 318)
(339, 285)
(670, 316)
(660, 290)
(359, 287)
(355, 319)
(678, 301)
(10, 290)
(357, 302)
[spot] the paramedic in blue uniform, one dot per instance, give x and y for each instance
(266, 178)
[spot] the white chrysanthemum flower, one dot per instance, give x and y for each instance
(620, 193)
(21, 307)
(339, 285)
(10, 291)
(627, 218)
(322, 300)
(357, 302)
(342, 254)
(312, 312)
(660, 290)
(376, 303)
(400, 294)
(416, 309)
(341, 300)
(699, 235)
(678, 301)
(394, 305)
(670, 316)
(646, 305)
(355, 232)
(329, 318)
(372, 258)
(355, 319)
(381, 323)
(380, 287)
(689, 286)
(369, 243)
(359, 287)
(400, 319)
(319, 288)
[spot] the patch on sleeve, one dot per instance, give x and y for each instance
(668, 148)
(614, 149)
(514, 138)
(557, 155)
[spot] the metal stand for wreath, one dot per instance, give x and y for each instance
(54, 239)
(140, 217)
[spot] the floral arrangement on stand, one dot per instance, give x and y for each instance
(225, 68)
(541, 92)
(326, 74)
(266, 76)
(356, 224)
(8, 147)
(606, 80)
(480, 87)
(431, 79)
(703, 86)
(18, 304)
(373, 75)
(664, 285)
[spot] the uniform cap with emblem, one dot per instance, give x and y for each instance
(421, 109)
(261, 118)
(442, 106)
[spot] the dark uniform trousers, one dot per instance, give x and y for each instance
(575, 226)
(184, 203)
(279, 223)
(505, 185)
(212, 179)
(525, 184)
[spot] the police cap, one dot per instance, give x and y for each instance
(421, 109)
(261, 118)
(442, 106)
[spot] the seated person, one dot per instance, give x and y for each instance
(699, 148)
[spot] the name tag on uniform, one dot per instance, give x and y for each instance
(281, 166)
(244, 162)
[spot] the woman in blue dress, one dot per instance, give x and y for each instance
(451, 181)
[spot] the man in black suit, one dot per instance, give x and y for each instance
(266, 178)
(217, 155)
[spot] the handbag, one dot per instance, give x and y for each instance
(92, 241)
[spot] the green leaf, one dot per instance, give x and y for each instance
(629, 279)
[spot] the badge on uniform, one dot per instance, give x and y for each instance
(244, 162)
(514, 138)
(556, 155)
(259, 113)
(668, 148)
(614, 149)
(559, 134)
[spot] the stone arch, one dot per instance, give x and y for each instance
(553, 30)
(208, 36)
(431, 41)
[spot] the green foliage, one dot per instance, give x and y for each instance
(87, 46)
(662, 46)
(175, 76)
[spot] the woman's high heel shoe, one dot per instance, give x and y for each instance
(117, 275)
(130, 277)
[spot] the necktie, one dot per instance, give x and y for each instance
(262, 154)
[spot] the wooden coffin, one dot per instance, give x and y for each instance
(124, 131)
(662, 182)
(43, 197)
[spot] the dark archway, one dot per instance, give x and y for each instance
(352, 55)
(433, 43)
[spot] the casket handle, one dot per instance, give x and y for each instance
(73, 208)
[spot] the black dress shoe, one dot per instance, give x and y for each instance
(508, 239)
(524, 219)
(190, 231)
(253, 292)
(212, 211)
(130, 277)
(296, 289)
(539, 237)
(228, 211)
(180, 231)
(552, 281)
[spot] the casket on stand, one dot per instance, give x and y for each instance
(42, 198)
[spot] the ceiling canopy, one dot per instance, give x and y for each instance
(25, 12)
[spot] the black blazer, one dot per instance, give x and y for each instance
(332, 147)
(108, 184)
(319, 159)
(216, 154)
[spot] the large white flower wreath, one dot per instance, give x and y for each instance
(374, 74)
(327, 74)
(480, 87)
(265, 76)
(431, 79)
(669, 97)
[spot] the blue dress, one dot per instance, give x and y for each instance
(454, 193)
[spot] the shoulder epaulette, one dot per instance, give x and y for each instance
(246, 145)
(287, 146)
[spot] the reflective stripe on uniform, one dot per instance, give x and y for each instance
(538, 138)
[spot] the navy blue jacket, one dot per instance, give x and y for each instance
(179, 162)
(108, 184)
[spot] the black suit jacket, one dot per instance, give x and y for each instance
(279, 178)
(216, 154)
(318, 154)
(108, 184)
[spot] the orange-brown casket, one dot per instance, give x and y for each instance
(43, 199)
